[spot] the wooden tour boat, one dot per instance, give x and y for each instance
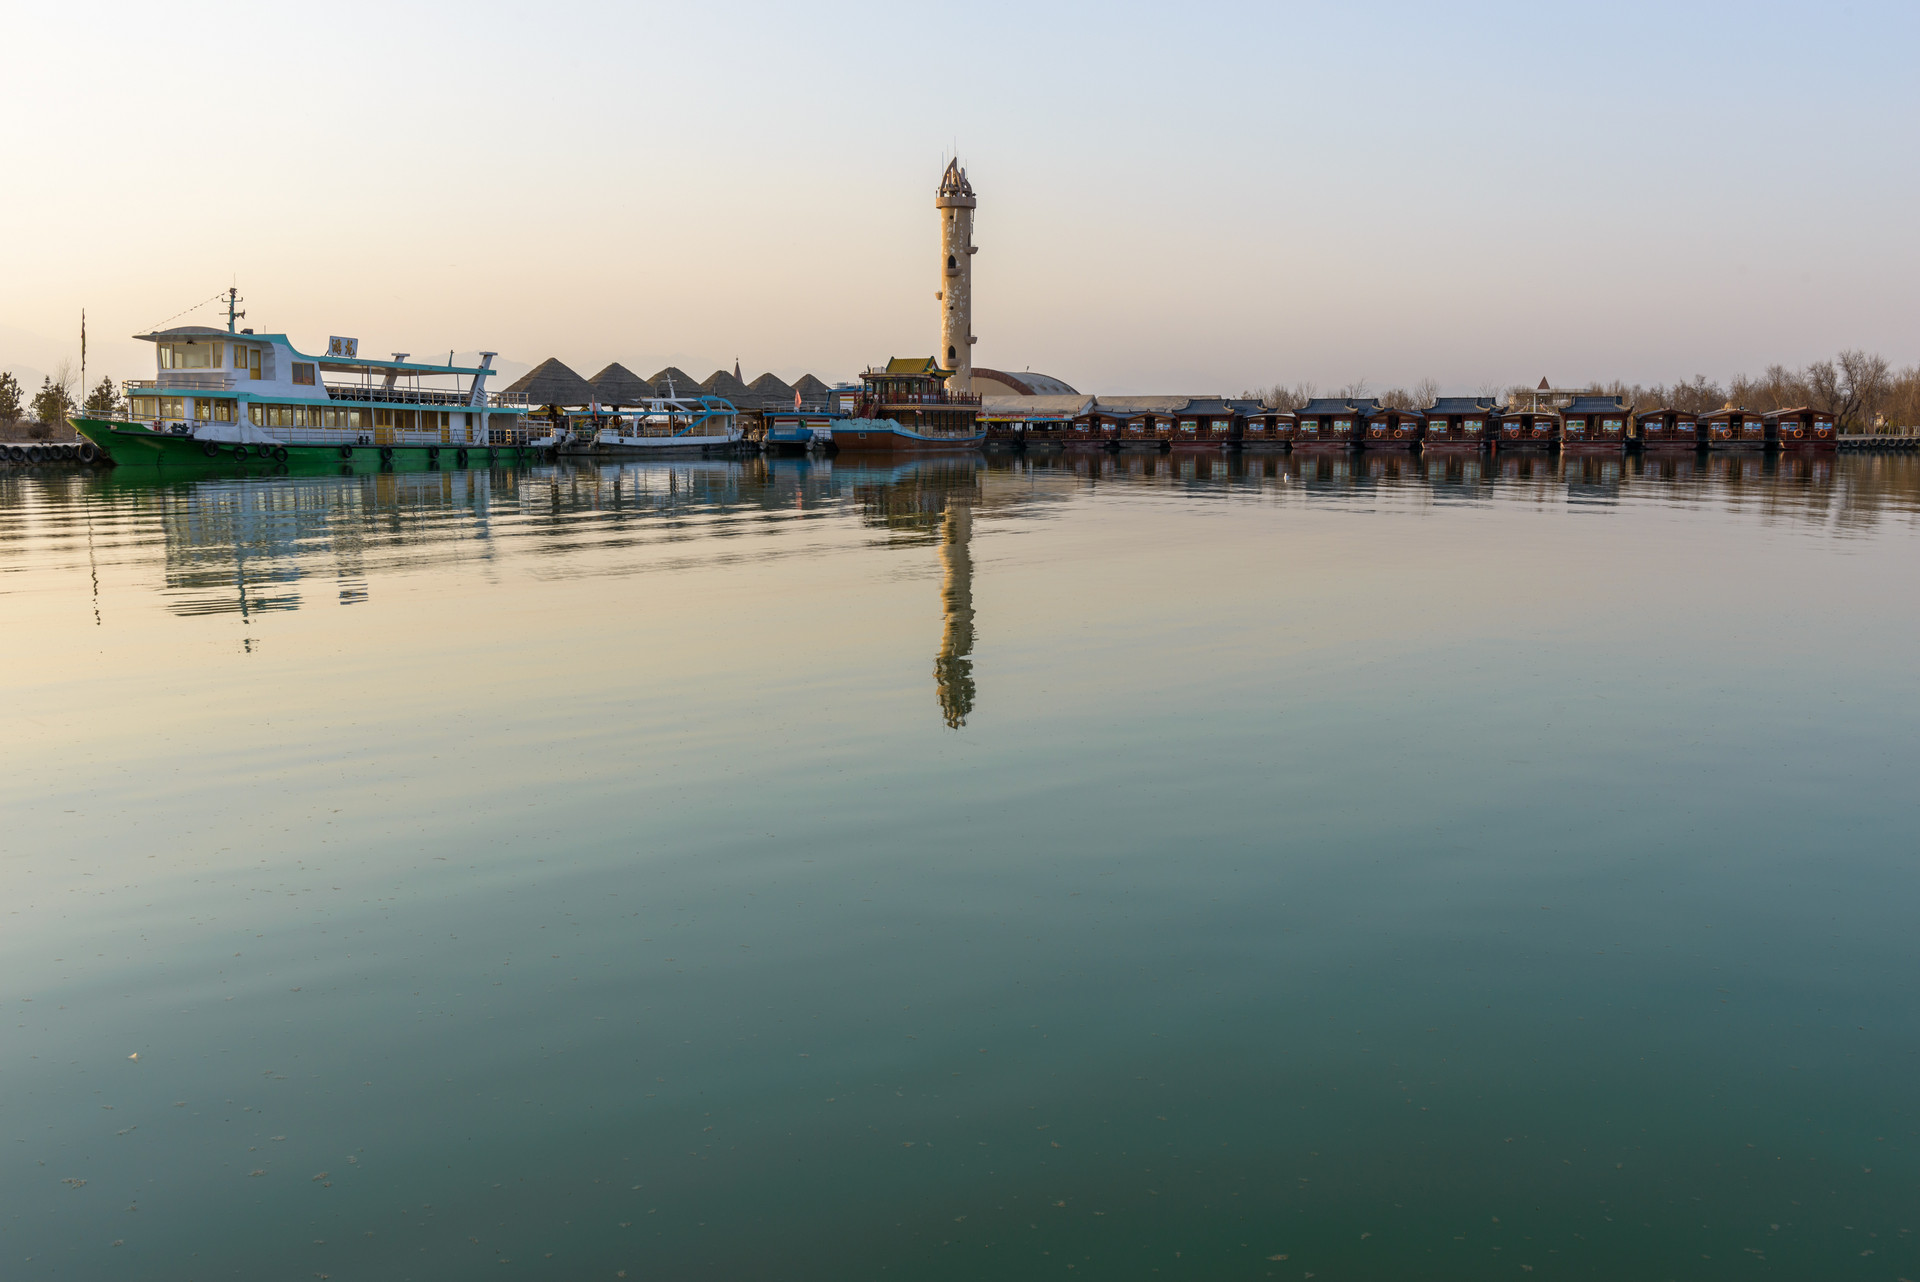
(1393, 430)
(1458, 424)
(907, 407)
(1669, 431)
(1733, 427)
(1331, 423)
(1802, 429)
(1527, 431)
(1595, 425)
(1270, 429)
(1209, 422)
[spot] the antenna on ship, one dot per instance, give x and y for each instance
(233, 300)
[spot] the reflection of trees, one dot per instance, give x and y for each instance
(953, 669)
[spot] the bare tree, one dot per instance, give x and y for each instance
(1823, 386)
(1863, 385)
(1425, 393)
(1397, 398)
(1902, 402)
(1355, 390)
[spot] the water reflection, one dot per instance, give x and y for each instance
(256, 545)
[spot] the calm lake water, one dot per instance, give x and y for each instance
(1180, 869)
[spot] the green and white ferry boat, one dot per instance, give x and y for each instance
(233, 397)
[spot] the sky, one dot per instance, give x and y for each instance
(1197, 198)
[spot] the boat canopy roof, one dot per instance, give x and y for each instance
(197, 333)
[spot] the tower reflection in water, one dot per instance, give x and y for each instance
(932, 501)
(953, 669)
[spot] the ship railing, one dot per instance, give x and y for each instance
(922, 398)
(175, 380)
(420, 396)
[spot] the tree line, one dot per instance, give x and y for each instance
(55, 401)
(1861, 390)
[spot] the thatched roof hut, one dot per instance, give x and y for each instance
(552, 383)
(618, 385)
(770, 392)
(722, 384)
(812, 390)
(682, 383)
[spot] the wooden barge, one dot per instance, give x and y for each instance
(1669, 431)
(1595, 425)
(1458, 425)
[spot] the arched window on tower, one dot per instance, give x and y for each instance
(950, 263)
(950, 353)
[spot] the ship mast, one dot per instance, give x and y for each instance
(233, 300)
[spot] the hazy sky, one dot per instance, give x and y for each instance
(1181, 198)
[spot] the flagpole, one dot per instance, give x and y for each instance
(83, 360)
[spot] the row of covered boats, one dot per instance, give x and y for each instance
(1453, 424)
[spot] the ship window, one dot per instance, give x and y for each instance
(190, 355)
(303, 372)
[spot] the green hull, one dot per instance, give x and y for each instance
(132, 445)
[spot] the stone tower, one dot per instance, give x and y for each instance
(955, 202)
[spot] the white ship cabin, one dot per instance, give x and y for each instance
(213, 383)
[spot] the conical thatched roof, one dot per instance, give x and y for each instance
(770, 387)
(684, 384)
(618, 385)
(721, 383)
(811, 388)
(552, 383)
